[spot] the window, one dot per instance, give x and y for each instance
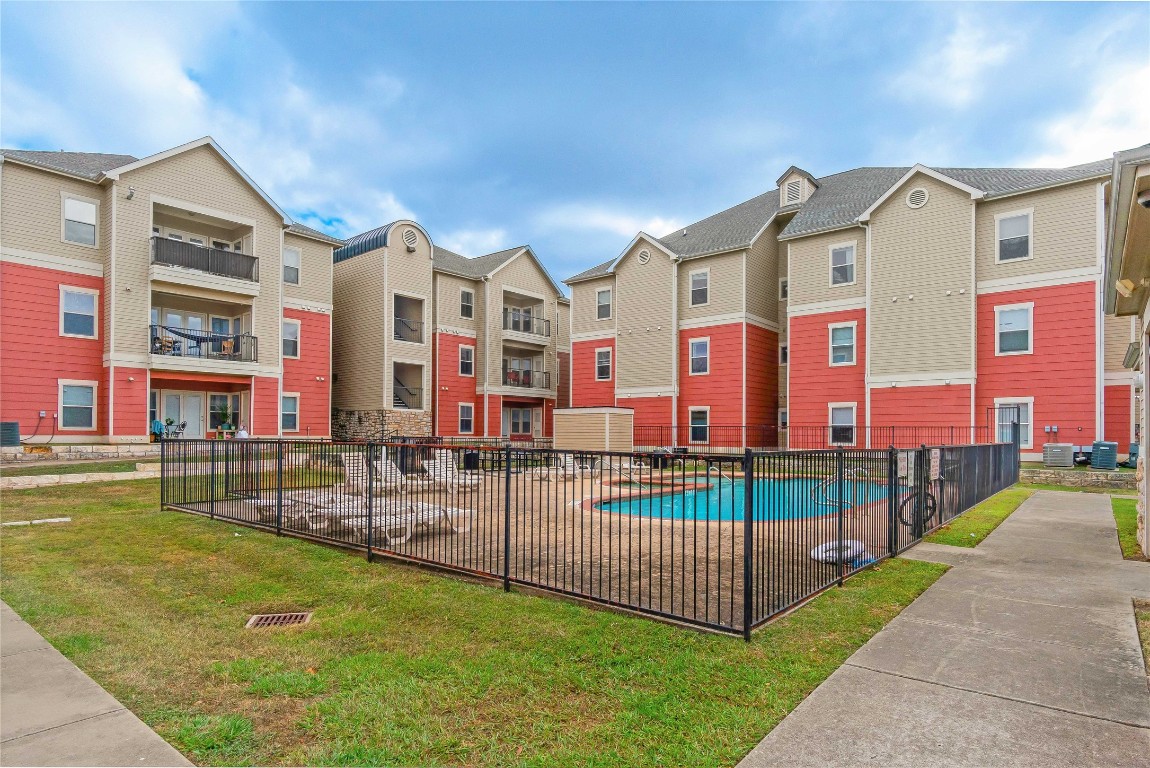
(843, 264)
(220, 245)
(700, 287)
(793, 192)
(784, 354)
(699, 420)
(78, 312)
(782, 418)
(289, 413)
(291, 265)
(466, 361)
(77, 405)
(216, 403)
(80, 220)
(1012, 233)
(153, 407)
(466, 304)
(842, 423)
(466, 418)
(1014, 323)
(521, 421)
(700, 353)
(602, 365)
(1010, 407)
(291, 338)
(843, 344)
(783, 289)
(238, 246)
(603, 304)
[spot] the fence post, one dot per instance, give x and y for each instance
(748, 537)
(892, 500)
(279, 487)
(507, 518)
(163, 473)
(839, 512)
(212, 481)
(1016, 441)
(921, 473)
(370, 497)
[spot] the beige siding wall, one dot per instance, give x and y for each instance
(448, 288)
(562, 327)
(202, 178)
(621, 431)
(643, 308)
(1065, 231)
(763, 272)
(32, 216)
(409, 274)
(726, 291)
(359, 323)
(315, 270)
(580, 431)
(932, 332)
(810, 267)
(522, 274)
(1119, 333)
(583, 318)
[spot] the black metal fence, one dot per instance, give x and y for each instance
(719, 541)
(739, 437)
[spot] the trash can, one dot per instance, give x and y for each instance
(661, 458)
(1104, 456)
(471, 459)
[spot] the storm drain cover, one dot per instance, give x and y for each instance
(277, 620)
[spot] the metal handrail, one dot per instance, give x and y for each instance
(213, 261)
(527, 379)
(517, 320)
(408, 330)
(171, 341)
(411, 397)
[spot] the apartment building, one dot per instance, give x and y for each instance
(427, 341)
(169, 288)
(878, 296)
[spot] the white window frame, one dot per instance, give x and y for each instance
(470, 348)
(784, 289)
(96, 227)
(1029, 306)
(610, 363)
(853, 325)
(691, 426)
(853, 245)
(95, 311)
(853, 425)
(471, 418)
(691, 355)
(298, 338)
(298, 408)
(706, 272)
(998, 217)
(95, 387)
(610, 303)
(784, 352)
(1025, 436)
(470, 304)
(298, 265)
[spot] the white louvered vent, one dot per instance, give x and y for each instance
(644, 256)
(410, 238)
(794, 191)
(917, 197)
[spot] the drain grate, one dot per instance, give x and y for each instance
(277, 620)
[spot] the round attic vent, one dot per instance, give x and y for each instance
(644, 256)
(410, 238)
(917, 197)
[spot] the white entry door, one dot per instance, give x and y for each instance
(183, 407)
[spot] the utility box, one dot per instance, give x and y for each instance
(1058, 455)
(594, 429)
(9, 433)
(1104, 456)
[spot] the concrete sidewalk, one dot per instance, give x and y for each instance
(51, 713)
(1024, 654)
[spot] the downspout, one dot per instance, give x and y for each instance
(675, 353)
(110, 289)
(435, 374)
(487, 356)
(1100, 329)
(867, 321)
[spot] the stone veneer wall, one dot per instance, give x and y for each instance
(372, 425)
(1078, 478)
(78, 452)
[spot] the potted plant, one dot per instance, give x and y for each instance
(224, 416)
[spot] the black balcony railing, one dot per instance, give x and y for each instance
(178, 253)
(185, 342)
(528, 379)
(410, 398)
(408, 330)
(525, 322)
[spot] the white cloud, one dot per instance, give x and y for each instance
(1115, 116)
(474, 242)
(594, 216)
(953, 72)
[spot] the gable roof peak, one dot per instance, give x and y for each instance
(793, 170)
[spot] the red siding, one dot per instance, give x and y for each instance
(942, 406)
(649, 411)
(131, 411)
(586, 391)
(762, 375)
(303, 375)
(721, 389)
(1119, 424)
(265, 405)
(813, 382)
(33, 354)
(563, 371)
(1059, 375)
(451, 389)
(494, 416)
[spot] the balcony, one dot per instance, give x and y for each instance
(524, 321)
(211, 261)
(527, 379)
(170, 341)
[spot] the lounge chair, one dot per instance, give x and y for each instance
(357, 471)
(430, 513)
(446, 474)
(564, 468)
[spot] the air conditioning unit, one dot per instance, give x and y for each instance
(1058, 455)
(1105, 456)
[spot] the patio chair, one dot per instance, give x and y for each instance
(393, 522)
(357, 471)
(429, 513)
(445, 473)
(564, 468)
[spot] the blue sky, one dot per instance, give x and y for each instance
(571, 126)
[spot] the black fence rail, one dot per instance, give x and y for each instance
(214, 261)
(799, 437)
(721, 541)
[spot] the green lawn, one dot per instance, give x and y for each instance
(976, 524)
(72, 467)
(1075, 468)
(1126, 516)
(1075, 489)
(399, 666)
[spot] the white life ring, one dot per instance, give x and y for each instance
(847, 551)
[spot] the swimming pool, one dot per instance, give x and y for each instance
(723, 501)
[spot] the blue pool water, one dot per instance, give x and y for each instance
(774, 500)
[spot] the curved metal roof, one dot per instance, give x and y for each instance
(373, 239)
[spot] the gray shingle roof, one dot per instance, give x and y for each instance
(732, 228)
(86, 165)
(841, 198)
(315, 234)
(476, 268)
(596, 271)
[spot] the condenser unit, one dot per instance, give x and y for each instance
(1058, 455)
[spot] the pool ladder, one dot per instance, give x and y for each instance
(821, 493)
